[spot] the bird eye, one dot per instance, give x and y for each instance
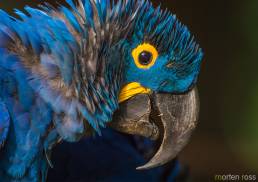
(145, 56)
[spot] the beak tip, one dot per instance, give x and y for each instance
(144, 167)
(140, 168)
(151, 164)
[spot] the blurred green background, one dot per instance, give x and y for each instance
(226, 141)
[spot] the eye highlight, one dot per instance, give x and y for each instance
(145, 56)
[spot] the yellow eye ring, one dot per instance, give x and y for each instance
(145, 56)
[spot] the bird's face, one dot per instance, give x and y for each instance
(160, 55)
(158, 98)
(160, 71)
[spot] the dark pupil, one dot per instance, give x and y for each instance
(145, 58)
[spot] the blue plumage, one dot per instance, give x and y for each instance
(4, 122)
(62, 70)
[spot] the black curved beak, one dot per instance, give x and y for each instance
(164, 117)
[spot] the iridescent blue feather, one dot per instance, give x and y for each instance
(62, 70)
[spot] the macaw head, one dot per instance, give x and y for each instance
(96, 61)
(161, 60)
(161, 55)
(146, 65)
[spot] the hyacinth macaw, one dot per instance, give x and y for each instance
(67, 72)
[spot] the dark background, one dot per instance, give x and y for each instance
(227, 30)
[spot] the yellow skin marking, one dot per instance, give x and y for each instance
(131, 90)
(135, 88)
(145, 47)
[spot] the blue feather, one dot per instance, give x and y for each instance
(4, 123)
(89, 12)
(71, 18)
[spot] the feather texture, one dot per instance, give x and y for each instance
(62, 70)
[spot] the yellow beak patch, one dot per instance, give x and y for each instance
(131, 90)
